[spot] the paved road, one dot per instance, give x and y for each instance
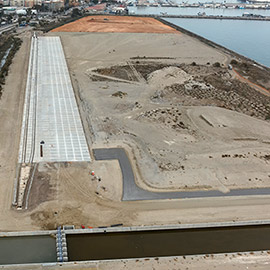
(131, 192)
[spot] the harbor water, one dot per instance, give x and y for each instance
(249, 38)
(143, 10)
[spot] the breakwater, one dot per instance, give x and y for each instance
(213, 17)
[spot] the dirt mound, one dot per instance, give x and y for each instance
(168, 76)
(118, 24)
(121, 72)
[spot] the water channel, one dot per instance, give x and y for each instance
(121, 243)
(27, 249)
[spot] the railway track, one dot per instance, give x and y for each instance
(30, 104)
(26, 167)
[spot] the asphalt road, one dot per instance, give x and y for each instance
(131, 192)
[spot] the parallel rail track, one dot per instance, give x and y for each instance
(29, 128)
(28, 135)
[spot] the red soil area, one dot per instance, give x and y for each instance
(117, 24)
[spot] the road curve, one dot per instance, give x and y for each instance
(131, 192)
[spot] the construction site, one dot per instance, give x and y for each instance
(125, 120)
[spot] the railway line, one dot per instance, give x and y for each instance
(29, 117)
(26, 168)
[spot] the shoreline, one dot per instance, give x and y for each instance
(161, 18)
(215, 17)
(212, 44)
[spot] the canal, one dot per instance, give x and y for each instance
(175, 242)
(27, 249)
(121, 243)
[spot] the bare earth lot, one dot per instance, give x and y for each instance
(258, 261)
(184, 125)
(148, 106)
(118, 24)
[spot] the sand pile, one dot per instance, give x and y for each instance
(168, 76)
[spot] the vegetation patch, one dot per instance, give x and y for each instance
(15, 43)
(256, 74)
(46, 26)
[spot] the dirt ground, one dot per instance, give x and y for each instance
(239, 261)
(166, 111)
(11, 106)
(118, 110)
(191, 84)
(127, 92)
(116, 24)
(254, 73)
(176, 139)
